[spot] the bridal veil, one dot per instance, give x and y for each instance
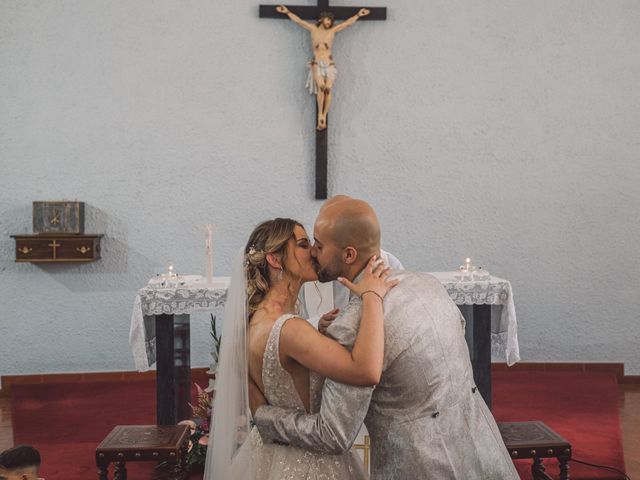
(230, 417)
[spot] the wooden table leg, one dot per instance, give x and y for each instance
(173, 364)
(120, 472)
(165, 379)
(564, 468)
(103, 473)
(182, 363)
(481, 356)
(537, 469)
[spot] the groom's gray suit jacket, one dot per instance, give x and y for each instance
(426, 418)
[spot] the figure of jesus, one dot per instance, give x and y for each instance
(322, 69)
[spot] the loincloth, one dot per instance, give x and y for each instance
(325, 70)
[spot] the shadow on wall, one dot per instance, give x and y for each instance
(120, 268)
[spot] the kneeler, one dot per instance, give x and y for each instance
(537, 441)
(144, 443)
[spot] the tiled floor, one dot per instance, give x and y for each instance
(629, 416)
(630, 420)
(6, 431)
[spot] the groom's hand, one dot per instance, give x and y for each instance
(256, 398)
(327, 319)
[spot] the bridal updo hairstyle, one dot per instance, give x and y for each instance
(272, 237)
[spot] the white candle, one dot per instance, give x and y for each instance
(467, 264)
(208, 248)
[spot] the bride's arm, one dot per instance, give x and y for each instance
(361, 366)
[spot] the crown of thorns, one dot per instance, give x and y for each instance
(326, 14)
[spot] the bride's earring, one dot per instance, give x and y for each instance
(280, 274)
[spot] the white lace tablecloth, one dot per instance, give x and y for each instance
(195, 295)
(494, 291)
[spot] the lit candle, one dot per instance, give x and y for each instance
(208, 248)
(467, 264)
(170, 270)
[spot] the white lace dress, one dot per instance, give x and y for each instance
(279, 462)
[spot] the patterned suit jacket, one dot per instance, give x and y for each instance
(426, 418)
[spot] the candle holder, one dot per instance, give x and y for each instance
(168, 279)
(470, 272)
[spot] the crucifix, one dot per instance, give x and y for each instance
(322, 69)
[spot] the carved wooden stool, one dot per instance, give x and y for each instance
(536, 440)
(144, 443)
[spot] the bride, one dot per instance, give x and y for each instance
(285, 357)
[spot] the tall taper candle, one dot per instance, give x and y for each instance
(208, 248)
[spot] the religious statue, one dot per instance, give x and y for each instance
(322, 69)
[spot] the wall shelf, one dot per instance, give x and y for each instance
(57, 248)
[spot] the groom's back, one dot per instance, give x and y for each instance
(426, 418)
(426, 357)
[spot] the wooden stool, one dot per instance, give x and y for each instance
(143, 443)
(536, 440)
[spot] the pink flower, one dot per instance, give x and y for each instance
(204, 440)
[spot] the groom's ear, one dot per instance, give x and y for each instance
(349, 255)
(273, 261)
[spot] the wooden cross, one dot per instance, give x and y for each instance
(312, 13)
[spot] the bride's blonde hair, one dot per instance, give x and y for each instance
(272, 237)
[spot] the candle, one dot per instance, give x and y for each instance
(208, 248)
(467, 264)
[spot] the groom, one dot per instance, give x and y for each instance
(426, 418)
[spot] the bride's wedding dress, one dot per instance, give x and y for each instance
(280, 462)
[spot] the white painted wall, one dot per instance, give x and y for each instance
(506, 131)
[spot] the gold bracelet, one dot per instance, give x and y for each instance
(371, 291)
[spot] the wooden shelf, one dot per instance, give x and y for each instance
(57, 248)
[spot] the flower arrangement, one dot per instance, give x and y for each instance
(199, 426)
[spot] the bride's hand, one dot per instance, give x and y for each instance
(374, 280)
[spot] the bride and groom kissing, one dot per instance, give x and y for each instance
(291, 400)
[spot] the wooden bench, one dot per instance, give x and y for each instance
(537, 441)
(144, 443)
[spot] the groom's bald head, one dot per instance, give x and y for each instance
(351, 223)
(334, 200)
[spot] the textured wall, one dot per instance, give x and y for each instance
(506, 131)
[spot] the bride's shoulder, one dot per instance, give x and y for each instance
(293, 325)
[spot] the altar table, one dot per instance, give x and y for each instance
(160, 323)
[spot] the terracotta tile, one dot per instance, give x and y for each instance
(630, 421)
(6, 438)
(6, 430)
(5, 412)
